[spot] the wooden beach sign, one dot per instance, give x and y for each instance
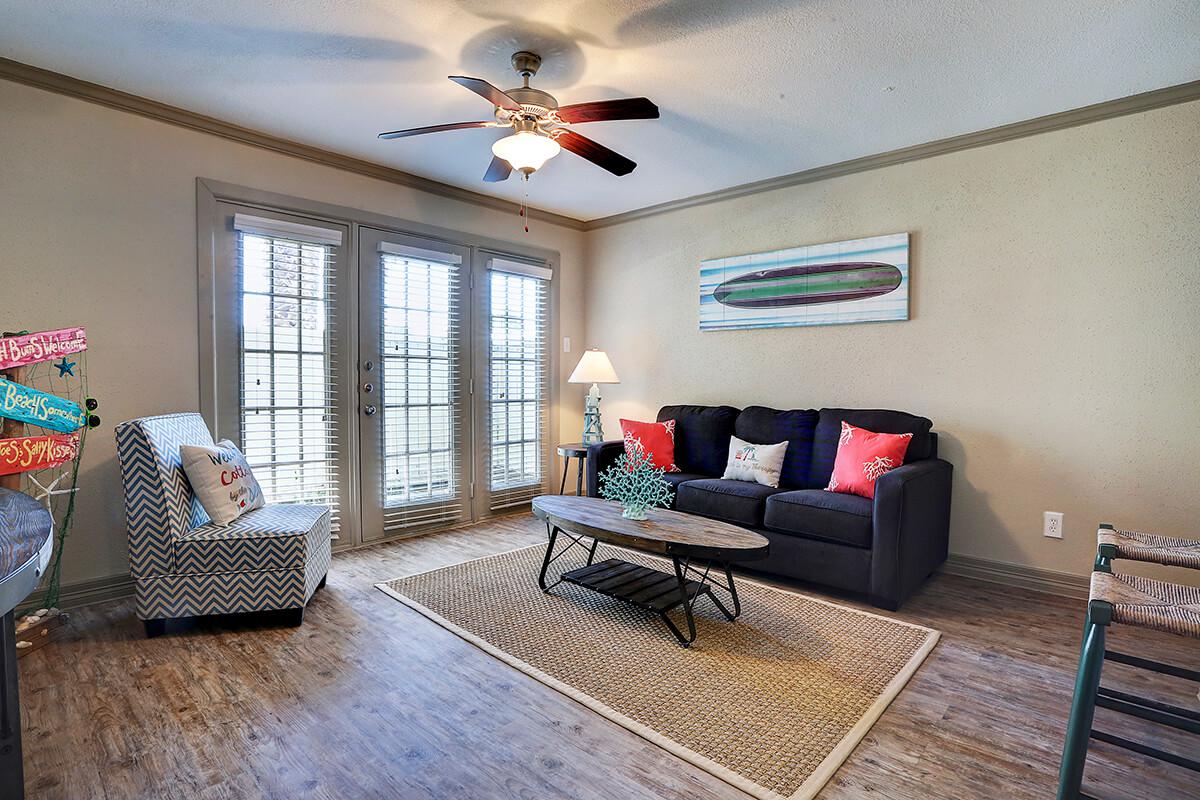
(30, 348)
(20, 403)
(29, 453)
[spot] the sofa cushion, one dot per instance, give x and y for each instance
(863, 457)
(701, 436)
(657, 439)
(676, 478)
(275, 537)
(759, 463)
(762, 425)
(829, 429)
(817, 514)
(738, 502)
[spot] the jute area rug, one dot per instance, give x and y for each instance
(772, 703)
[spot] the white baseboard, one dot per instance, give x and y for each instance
(1064, 584)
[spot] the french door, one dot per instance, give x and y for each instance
(402, 380)
(414, 383)
(453, 383)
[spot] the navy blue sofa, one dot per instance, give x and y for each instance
(883, 548)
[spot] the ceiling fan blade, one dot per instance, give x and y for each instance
(595, 152)
(451, 126)
(497, 171)
(488, 92)
(628, 108)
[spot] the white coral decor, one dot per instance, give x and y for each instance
(876, 467)
(635, 483)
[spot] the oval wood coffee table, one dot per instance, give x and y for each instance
(695, 546)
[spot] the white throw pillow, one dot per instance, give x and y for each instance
(222, 480)
(759, 463)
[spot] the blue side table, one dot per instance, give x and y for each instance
(26, 543)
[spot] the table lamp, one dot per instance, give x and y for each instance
(593, 368)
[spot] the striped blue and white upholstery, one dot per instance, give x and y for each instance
(183, 565)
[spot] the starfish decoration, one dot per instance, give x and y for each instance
(66, 367)
(50, 491)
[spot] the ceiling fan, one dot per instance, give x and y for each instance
(540, 126)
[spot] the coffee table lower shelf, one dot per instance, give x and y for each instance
(648, 589)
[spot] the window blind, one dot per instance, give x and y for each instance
(289, 361)
(518, 419)
(294, 231)
(422, 371)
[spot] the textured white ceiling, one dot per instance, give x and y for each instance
(749, 89)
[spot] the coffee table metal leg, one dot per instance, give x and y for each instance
(686, 602)
(552, 530)
(737, 604)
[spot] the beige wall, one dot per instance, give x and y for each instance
(98, 228)
(1054, 338)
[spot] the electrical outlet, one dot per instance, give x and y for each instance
(1052, 524)
(566, 344)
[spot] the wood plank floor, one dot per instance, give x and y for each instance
(370, 700)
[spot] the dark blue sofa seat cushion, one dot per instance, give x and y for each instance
(762, 425)
(701, 436)
(815, 513)
(739, 502)
(829, 428)
(676, 478)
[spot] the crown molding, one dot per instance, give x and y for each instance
(83, 90)
(102, 95)
(1146, 101)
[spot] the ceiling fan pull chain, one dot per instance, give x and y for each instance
(525, 203)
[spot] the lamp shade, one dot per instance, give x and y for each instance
(594, 367)
(526, 150)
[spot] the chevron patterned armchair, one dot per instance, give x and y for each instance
(270, 559)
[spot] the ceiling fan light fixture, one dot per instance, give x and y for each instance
(526, 151)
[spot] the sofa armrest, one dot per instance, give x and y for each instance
(911, 528)
(599, 458)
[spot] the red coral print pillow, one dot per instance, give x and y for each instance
(655, 438)
(862, 457)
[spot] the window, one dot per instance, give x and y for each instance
(518, 381)
(421, 370)
(396, 373)
(288, 360)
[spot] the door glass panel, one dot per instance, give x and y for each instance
(518, 387)
(420, 373)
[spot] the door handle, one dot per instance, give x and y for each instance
(370, 410)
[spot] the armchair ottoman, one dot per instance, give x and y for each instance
(270, 559)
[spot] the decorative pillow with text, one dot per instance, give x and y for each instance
(759, 463)
(862, 457)
(222, 480)
(655, 438)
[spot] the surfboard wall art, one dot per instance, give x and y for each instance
(860, 280)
